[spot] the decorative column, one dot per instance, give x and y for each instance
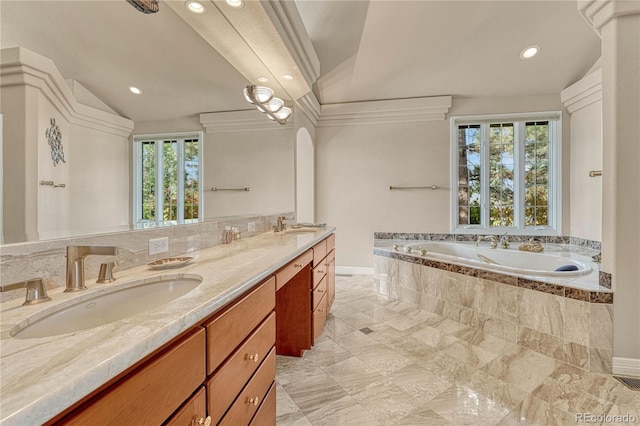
(618, 24)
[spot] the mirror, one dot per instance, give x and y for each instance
(98, 50)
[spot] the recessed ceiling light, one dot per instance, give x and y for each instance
(135, 90)
(529, 52)
(195, 7)
(287, 77)
(235, 3)
(262, 79)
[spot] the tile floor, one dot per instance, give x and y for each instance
(382, 362)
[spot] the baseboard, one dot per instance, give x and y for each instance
(353, 270)
(626, 366)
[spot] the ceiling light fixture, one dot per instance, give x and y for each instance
(235, 3)
(287, 77)
(529, 52)
(262, 79)
(145, 6)
(135, 90)
(195, 7)
(262, 97)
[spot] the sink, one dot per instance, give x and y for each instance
(106, 307)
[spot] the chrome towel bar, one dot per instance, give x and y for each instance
(413, 187)
(231, 189)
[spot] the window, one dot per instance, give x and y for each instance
(167, 179)
(506, 174)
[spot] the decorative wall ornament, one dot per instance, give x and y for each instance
(54, 137)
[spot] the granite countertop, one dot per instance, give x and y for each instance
(41, 377)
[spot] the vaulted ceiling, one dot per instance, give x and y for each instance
(368, 50)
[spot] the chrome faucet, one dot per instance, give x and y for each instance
(36, 291)
(493, 238)
(75, 263)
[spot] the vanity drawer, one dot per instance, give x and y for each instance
(154, 392)
(319, 252)
(228, 330)
(252, 395)
(266, 415)
(318, 293)
(319, 317)
(192, 411)
(285, 274)
(225, 385)
(319, 273)
(331, 242)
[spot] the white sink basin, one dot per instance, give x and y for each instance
(106, 307)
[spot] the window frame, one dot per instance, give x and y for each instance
(555, 173)
(179, 137)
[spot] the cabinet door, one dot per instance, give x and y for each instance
(192, 413)
(150, 395)
(228, 330)
(331, 279)
(319, 318)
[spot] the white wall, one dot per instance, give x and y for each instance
(305, 177)
(356, 164)
(262, 160)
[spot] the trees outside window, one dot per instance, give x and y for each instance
(506, 174)
(167, 184)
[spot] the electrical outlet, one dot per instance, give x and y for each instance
(251, 227)
(158, 245)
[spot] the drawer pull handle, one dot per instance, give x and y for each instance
(320, 291)
(320, 272)
(253, 401)
(254, 357)
(297, 265)
(203, 421)
(321, 310)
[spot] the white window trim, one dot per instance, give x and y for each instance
(555, 175)
(137, 182)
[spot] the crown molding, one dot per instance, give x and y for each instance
(599, 12)
(310, 107)
(239, 121)
(21, 67)
(583, 92)
(387, 111)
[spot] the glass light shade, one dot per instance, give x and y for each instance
(284, 113)
(274, 105)
(261, 94)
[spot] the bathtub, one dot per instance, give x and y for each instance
(511, 261)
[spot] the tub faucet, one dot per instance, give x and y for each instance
(504, 241)
(493, 238)
(75, 263)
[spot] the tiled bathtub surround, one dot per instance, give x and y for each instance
(573, 244)
(47, 259)
(571, 325)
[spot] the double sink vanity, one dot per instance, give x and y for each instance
(187, 346)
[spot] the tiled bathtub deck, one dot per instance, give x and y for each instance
(416, 367)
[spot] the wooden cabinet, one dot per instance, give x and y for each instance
(153, 392)
(303, 300)
(193, 412)
(224, 367)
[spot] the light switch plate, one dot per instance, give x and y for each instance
(158, 245)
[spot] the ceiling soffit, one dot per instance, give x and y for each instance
(261, 39)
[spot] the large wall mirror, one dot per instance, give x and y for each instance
(100, 49)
